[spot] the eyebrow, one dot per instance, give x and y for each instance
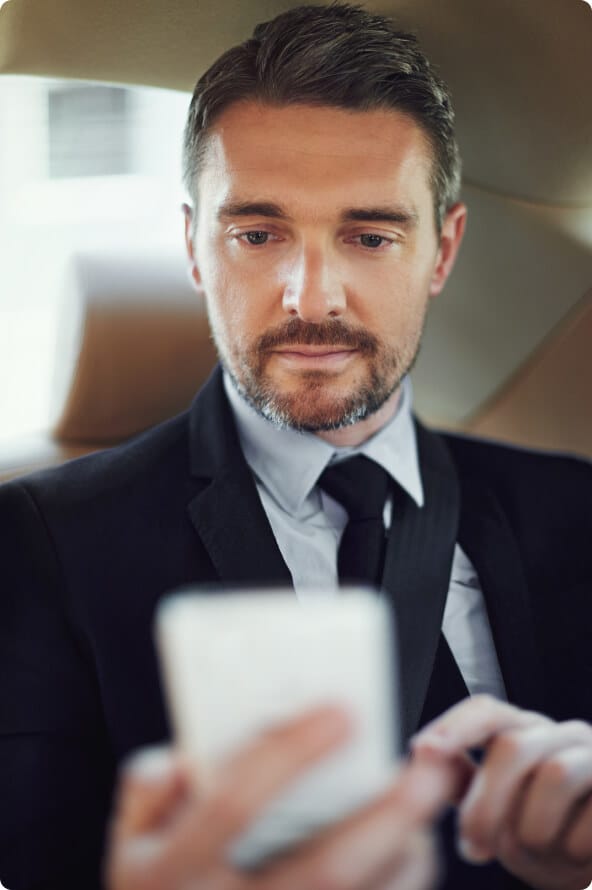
(399, 215)
(389, 214)
(251, 208)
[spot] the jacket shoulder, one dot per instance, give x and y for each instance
(501, 462)
(545, 489)
(109, 470)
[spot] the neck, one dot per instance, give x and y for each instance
(357, 433)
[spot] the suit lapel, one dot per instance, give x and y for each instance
(488, 540)
(227, 513)
(228, 517)
(418, 562)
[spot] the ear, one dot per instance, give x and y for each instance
(451, 236)
(193, 270)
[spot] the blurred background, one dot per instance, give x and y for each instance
(92, 103)
(82, 165)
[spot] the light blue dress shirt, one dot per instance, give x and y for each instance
(308, 523)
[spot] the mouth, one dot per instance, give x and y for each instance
(305, 356)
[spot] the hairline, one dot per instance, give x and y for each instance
(264, 102)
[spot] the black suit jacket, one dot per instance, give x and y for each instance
(87, 550)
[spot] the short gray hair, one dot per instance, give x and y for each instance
(338, 55)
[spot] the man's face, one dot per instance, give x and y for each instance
(316, 247)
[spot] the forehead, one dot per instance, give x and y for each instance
(308, 156)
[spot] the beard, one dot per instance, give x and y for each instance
(316, 404)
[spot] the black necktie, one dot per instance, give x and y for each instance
(361, 487)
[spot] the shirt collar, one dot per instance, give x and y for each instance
(288, 463)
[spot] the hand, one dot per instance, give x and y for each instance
(529, 803)
(166, 836)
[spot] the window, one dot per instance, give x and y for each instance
(88, 131)
(81, 166)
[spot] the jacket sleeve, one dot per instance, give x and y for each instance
(56, 770)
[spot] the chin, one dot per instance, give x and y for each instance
(315, 410)
(317, 401)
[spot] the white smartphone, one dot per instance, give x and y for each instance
(237, 662)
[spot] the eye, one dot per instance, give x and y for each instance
(256, 238)
(373, 241)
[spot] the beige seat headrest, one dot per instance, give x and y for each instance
(133, 346)
(547, 402)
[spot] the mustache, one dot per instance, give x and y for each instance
(327, 333)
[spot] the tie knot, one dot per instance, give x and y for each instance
(359, 485)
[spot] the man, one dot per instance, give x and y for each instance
(323, 170)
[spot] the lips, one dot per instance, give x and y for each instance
(314, 351)
(315, 358)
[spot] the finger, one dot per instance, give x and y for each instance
(460, 769)
(361, 850)
(255, 775)
(432, 780)
(218, 879)
(418, 869)
(560, 783)
(152, 782)
(495, 793)
(245, 783)
(548, 872)
(578, 838)
(473, 723)
(367, 858)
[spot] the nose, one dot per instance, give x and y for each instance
(313, 290)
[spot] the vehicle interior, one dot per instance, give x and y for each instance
(101, 333)
(508, 349)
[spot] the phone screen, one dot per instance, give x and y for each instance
(237, 662)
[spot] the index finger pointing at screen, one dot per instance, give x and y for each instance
(473, 723)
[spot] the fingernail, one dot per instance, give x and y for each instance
(472, 853)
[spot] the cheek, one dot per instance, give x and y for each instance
(410, 292)
(390, 297)
(235, 291)
(221, 298)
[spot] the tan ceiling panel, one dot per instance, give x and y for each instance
(150, 42)
(519, 69)
(546, 403)
(521, 77)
